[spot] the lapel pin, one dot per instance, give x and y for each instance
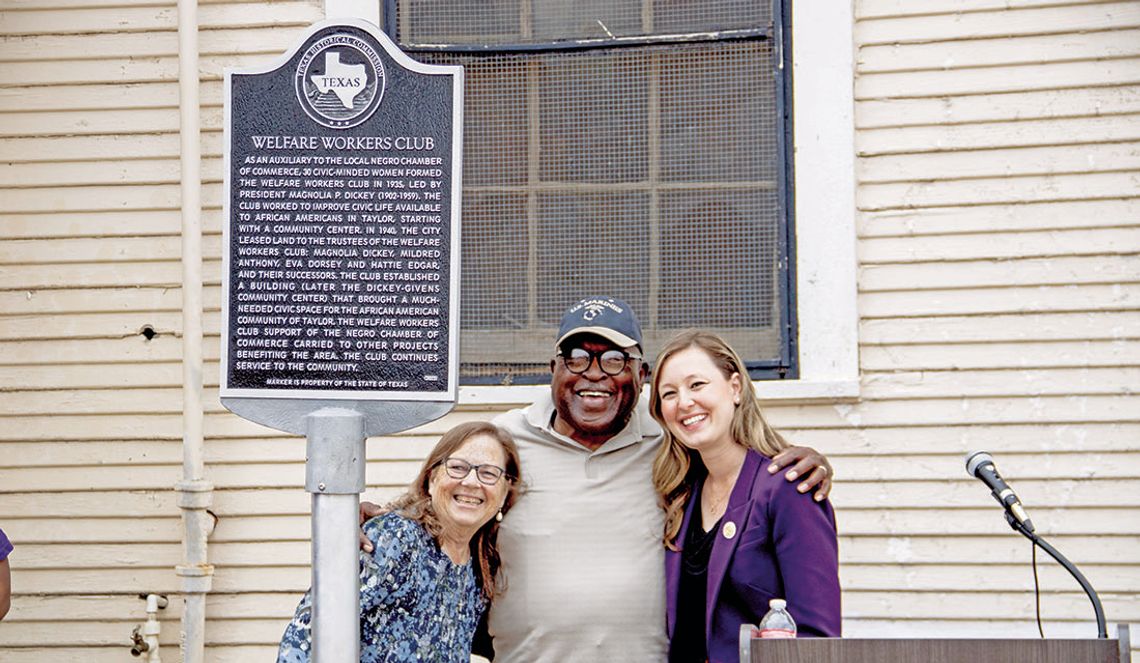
(729, 530)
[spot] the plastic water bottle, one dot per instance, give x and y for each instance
(777, 623)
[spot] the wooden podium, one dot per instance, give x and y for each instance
(844, 650)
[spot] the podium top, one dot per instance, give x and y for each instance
(851, 650)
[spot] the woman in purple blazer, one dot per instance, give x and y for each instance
(736, 535)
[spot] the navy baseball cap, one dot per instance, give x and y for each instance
(608, 317)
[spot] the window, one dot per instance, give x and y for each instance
(627, 147)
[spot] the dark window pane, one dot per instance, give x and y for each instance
(719, 256)
(592, 243)
(466, 22)
(495, 123)
(593, 123)
(718, 113)
(685, 16)
(494, 261)
(586, 19)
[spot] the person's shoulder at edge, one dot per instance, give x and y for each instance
(528, 424)
(511, 417)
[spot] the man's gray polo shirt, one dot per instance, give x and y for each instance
(581, 551)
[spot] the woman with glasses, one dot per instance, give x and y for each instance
(433, 567)
(736, 536)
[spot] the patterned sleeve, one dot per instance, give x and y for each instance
(389, 535)
(384, 573)
(5, 546)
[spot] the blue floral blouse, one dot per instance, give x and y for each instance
(415, 603)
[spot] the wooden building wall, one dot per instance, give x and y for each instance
(998, 199)
(999, 229)
(90, 412)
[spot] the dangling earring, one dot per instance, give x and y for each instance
(499, 516)
(736, 401)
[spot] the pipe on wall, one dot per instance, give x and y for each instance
(194, 492)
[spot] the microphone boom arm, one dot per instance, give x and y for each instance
(1102, 629)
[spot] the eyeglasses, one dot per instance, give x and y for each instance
(457, 468)
(612, 362)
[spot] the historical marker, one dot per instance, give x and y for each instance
(342, 199)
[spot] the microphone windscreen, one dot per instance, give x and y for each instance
(975, 460)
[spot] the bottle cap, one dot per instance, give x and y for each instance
(777, 604)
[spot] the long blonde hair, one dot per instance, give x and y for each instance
(416, 503)
(677, 467)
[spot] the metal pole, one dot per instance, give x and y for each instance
(194, 491)
(334, 475)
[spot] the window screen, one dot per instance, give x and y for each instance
(632, 148)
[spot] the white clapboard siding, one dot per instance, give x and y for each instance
(1092, 325)
(868, 9)
(70, 148)
(1093, 243)
(1117, 352)
(43, 377)
(129, 348)
(1020, 50)
(953, 25)
(1087, 437)
(89, 195)
(139, 171)
(1029, 188)
(998, 178)
(998, 171)
(153, 94)
(1031, 217)
(991, 135)
(111, 46)
(1012, 78)
(1051, 160)
(951, 524)
(1022, 299)
(124, 223)
(1120, 99)
(990, 273)
(219, 452)
(1002, 606)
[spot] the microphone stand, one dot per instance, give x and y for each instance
(1102, 630)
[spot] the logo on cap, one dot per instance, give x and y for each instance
(593, 309)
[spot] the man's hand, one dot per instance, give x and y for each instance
(368, 510)
(808, 462)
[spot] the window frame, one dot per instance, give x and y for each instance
(819, 211)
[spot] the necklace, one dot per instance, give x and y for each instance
(716, 505)
(714, 508)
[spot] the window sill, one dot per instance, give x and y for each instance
(770, 391)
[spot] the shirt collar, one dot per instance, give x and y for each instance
(641, 426)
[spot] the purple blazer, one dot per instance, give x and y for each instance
(774, 542)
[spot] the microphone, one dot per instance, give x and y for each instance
(981, 465)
